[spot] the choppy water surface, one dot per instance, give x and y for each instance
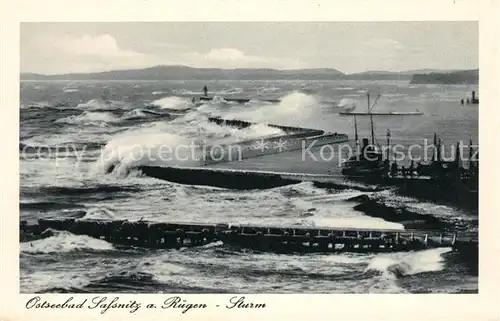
(71, 133)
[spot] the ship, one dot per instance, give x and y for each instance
(368, 161)
(439, 181)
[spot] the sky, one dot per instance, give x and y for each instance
(61, 47)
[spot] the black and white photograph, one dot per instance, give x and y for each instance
(249, 157)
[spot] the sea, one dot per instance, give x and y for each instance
(81, 141)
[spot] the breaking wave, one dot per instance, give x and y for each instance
(399, 265)
(291, 109)
(172, 102)
(141, 113)
(93, 104)
(63, 241)
(99, 214)
(174, 143)
(135, 147)
(90, 118)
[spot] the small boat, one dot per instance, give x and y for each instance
(369, 160)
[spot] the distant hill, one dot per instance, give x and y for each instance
(188, 73)
(457, 77)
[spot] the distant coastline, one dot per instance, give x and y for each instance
(158, 73)
(458, 77)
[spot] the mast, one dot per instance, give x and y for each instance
(388, 142)
(434, 158)
(439, 151)
(355, 130)
(371, 120)
(471, 151)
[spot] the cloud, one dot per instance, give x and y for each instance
(104, 46)
(235, 58)
(86, 53)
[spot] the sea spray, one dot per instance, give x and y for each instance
(401, 264)
(290, 110)
(146, 146)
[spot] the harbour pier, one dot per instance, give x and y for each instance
(474, 100)
(279, 239)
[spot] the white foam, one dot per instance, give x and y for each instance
(93, 104)
(65, 242)
(344, 258)
(330, 209)
(348, 103)
(143, 113)
(343, 221)
(172, 102)
(89, 118)
(99, 214)
(39, 280)
(42, 104)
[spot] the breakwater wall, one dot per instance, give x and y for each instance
(233, 179)
(295, 138)
(244, 124)
(245, 179)
(281, 239)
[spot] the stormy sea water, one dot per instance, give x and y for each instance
(78, 149)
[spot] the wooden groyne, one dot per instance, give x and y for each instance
(281, 239)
